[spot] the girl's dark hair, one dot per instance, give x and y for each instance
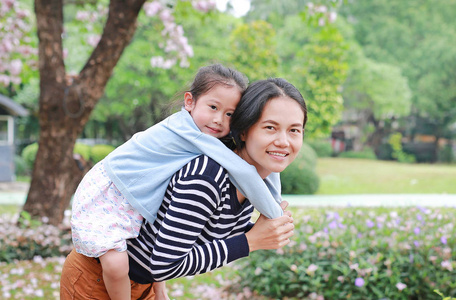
(252, 103)
(212, 75)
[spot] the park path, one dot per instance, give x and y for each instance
(15, 193)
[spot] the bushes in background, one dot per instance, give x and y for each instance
(100, 151)
(359, 253)
(300, 176)
(90, 153)
(322, 148)
(366, 153)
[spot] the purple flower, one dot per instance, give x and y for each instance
(423, 209)
(417, 230)
(333, 225)
(369, 224)
(359, 282)
(417, 244)
(419, 217)
(443, 240)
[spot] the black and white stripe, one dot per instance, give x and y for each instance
(200, 226)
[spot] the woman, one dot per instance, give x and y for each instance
(203, 222)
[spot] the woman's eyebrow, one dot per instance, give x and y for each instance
(276, 123)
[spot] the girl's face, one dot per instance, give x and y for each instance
(212, 111)
(273, 142)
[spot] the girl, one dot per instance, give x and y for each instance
(129, 184)
(203, 221)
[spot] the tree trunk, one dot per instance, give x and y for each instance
(376, 138)
(66, 103)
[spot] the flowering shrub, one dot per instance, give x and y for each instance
(360, 253)
(26, 239)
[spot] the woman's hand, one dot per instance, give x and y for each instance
(271, 233)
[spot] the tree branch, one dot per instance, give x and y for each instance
(117, 34)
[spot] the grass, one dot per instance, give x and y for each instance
(362, 176)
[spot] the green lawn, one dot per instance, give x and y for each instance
(361, 176)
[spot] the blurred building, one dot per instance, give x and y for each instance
(9, 110)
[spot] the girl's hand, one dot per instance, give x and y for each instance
(271, 233)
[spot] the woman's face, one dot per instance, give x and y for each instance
(273, 142)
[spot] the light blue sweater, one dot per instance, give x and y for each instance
(142, 167)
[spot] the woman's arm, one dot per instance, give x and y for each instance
(189, 242)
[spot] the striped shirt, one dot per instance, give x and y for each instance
(200, 226)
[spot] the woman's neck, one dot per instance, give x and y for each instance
(244, 155)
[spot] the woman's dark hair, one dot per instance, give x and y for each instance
(252, 103)
(212, 75)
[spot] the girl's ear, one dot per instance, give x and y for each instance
(189, 102)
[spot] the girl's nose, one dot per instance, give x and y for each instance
(218, 118)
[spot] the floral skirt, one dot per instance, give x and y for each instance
(102, 219)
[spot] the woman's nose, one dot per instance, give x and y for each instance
(282, 140)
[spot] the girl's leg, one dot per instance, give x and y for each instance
(160, 291)
(115, 274)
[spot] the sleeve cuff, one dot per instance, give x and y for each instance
(238, 247)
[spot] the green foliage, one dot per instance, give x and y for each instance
(29, 154)
(400, 253)
(322, 148)
(98, 152)
(314, 60)
(395, 141)
(306, 158)
(446, 154)
(366, 153)
(377, 87)
(300, 176)
(83, 150)
(443, 297)
(299, 181)
(253, 48)
(417, 39)
(22, 169)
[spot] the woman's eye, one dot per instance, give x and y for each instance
(229, 114)
(213, 107)
(294, 130)
(269, 127)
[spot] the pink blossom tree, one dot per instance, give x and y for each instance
(67, 100)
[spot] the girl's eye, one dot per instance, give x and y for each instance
(213, 107)
(269, 127)
(229, 114)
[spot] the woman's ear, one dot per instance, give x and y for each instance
(189, 102)
(242, 136)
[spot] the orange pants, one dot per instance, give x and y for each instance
(82, 279)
